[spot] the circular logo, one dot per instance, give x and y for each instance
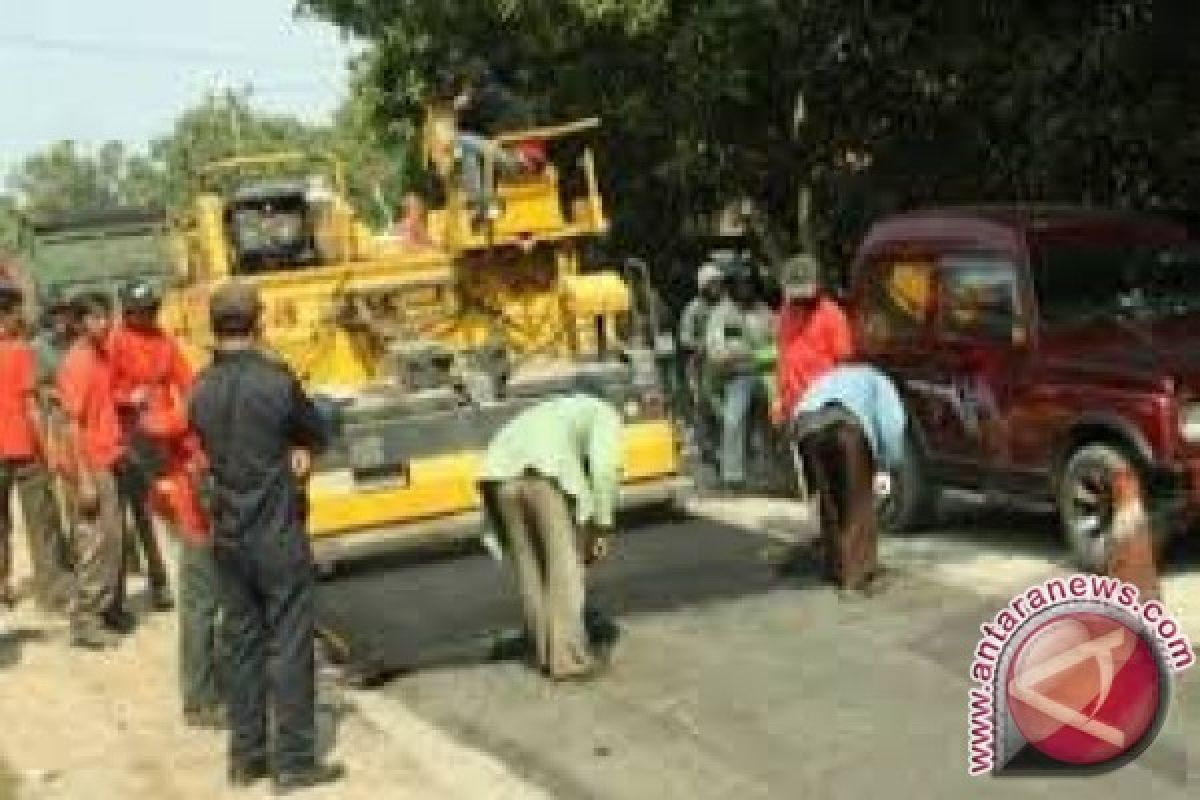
(1085, 688)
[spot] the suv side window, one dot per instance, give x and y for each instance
(977, 297)
(898, 300)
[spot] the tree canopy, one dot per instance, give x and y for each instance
(66, 177)
(876, 105)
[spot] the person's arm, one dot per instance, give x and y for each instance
(25, 382)
(126, 392)
(604, 464)
(306, 428)
(180, 374)
(688, 338)
(72, 393)
(840, 335)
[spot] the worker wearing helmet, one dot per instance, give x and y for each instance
(693, 324)
(148, 370)
(740, 327)
(694, 321)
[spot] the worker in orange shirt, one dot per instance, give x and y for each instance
(151, 379)
(814, 335)
(85, 392)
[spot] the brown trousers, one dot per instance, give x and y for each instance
(543, 541)
(99, 553)
(841, 465)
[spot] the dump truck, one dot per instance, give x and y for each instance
(425, 352)
(67, 254)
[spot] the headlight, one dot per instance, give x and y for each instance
(1189, 423)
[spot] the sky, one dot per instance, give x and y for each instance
(94, 70)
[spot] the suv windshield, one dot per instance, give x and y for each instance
(1076, 283)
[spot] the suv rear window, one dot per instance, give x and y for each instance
(1078, 282)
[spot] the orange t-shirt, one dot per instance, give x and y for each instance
(150, 360)
(811, 343)
(85, 391)
(18, 380)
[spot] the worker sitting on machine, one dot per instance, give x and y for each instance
(485, 109)
(740, 331)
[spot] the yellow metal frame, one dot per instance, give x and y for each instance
(241, 163)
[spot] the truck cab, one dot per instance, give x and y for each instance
(1039, 351)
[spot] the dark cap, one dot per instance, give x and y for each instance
(140, 296)
(234, 308)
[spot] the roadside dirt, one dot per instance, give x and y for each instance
(107, 726)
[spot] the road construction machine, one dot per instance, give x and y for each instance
(424, 350)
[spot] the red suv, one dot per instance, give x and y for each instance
(1039, 351)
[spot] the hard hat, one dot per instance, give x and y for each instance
(709, 273)
(140, 296)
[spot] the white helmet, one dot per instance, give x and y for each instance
(709, 273)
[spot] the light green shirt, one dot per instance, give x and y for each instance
(574, 441)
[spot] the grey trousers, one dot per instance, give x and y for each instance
(543, 540)
(99, 554)
(199, 631)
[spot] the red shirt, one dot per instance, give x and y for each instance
(18, 439)
(150, 360)
(811, 342)
(85, 389)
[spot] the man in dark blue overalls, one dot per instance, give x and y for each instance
(258, 428)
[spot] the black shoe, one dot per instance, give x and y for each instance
(243, 776)
(211, 719)
(91, 635)
(316, 775)
(120, 621)
(161, 599)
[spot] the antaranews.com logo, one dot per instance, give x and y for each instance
(1073, 675)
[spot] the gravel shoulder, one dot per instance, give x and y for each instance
(107, 726)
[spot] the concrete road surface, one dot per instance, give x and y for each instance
(765, 687)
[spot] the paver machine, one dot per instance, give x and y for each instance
(425, 351)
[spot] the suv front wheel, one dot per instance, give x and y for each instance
(1086, 505)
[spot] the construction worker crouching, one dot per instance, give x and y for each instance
(550, 481)
(850, 425)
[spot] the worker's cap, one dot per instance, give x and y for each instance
(801, 277)
(234, 308)
(708, 274)
(10, 294)
(140, 296)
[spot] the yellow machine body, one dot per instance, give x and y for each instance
(394, 335)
